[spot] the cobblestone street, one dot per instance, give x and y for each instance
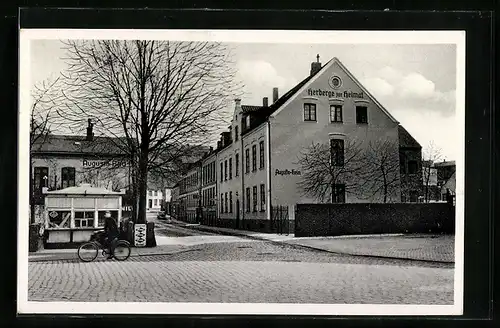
(250, 271)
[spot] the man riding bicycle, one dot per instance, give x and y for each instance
(111, 233)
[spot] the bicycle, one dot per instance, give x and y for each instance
(88, 251)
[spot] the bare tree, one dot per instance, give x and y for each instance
(431, 155)
(321, 171)
(153, 97)
(381, 174)
(45, 96)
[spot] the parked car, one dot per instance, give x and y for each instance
(161, 215)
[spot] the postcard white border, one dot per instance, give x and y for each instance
(253, 36)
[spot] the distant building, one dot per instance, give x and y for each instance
(438, 181)
(254, 166)
(446, 178)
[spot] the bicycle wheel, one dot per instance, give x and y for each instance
(121, 251)
(88, 252)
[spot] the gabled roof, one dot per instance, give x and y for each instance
(83, 189)
(70, 144)
(261, 113)
(406, 140)
(304, 84)
(250, 108)
(444, 163)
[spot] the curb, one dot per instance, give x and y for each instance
(281, 243)
(135, 255)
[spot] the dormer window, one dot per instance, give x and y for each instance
(247, 119)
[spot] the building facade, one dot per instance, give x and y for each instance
(62, 161)
(257, 158)
(154, 200)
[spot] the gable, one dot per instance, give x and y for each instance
(323, 85)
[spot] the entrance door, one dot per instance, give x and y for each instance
(150, 203)
(237, 213)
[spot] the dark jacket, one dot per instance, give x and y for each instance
(111, 227)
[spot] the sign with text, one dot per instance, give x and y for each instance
(99, 163)
(287, 172)
(335, 94)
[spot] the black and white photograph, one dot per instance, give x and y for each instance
(241, 172)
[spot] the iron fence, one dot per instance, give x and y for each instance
(280, 222)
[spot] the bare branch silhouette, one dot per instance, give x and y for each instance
(151, 98)
(45, 96)
(381, 174)
(320, 173)
(431, 155)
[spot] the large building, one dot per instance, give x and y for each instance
(62, 161)
(255, 164)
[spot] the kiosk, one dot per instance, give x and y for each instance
(73, 214)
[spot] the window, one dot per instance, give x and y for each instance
(309, 112)
(247, 121)
(237, 160)
(151, 192)
(248, 200)
(59, 219)
(68, 177)
(337, 152)
(221, 203)
(156, 202)
(247, 160)
(261, 154)
(225, 202)
(361, 115)
(236, 133)
(255, 198)
(41, 176)
(254, 158)
(262, 197)
(84, 219)
(338, 193)
(230, 168)
(412, 167)
(402, 164)
(225, 170)
(336, 113)
(221, 172)
(230, 202)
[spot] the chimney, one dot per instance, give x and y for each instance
(275, 95)
(90, 133)
(315, 66)
(265, 102)
(237, 105)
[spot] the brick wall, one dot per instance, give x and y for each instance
(351, 219)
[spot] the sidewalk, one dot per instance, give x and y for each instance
(420, 247)
(71, 254)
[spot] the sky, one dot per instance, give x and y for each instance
(416, 83)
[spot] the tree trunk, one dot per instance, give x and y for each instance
(32, 198)
(142, 188)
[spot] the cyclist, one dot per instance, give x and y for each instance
(111, 233)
